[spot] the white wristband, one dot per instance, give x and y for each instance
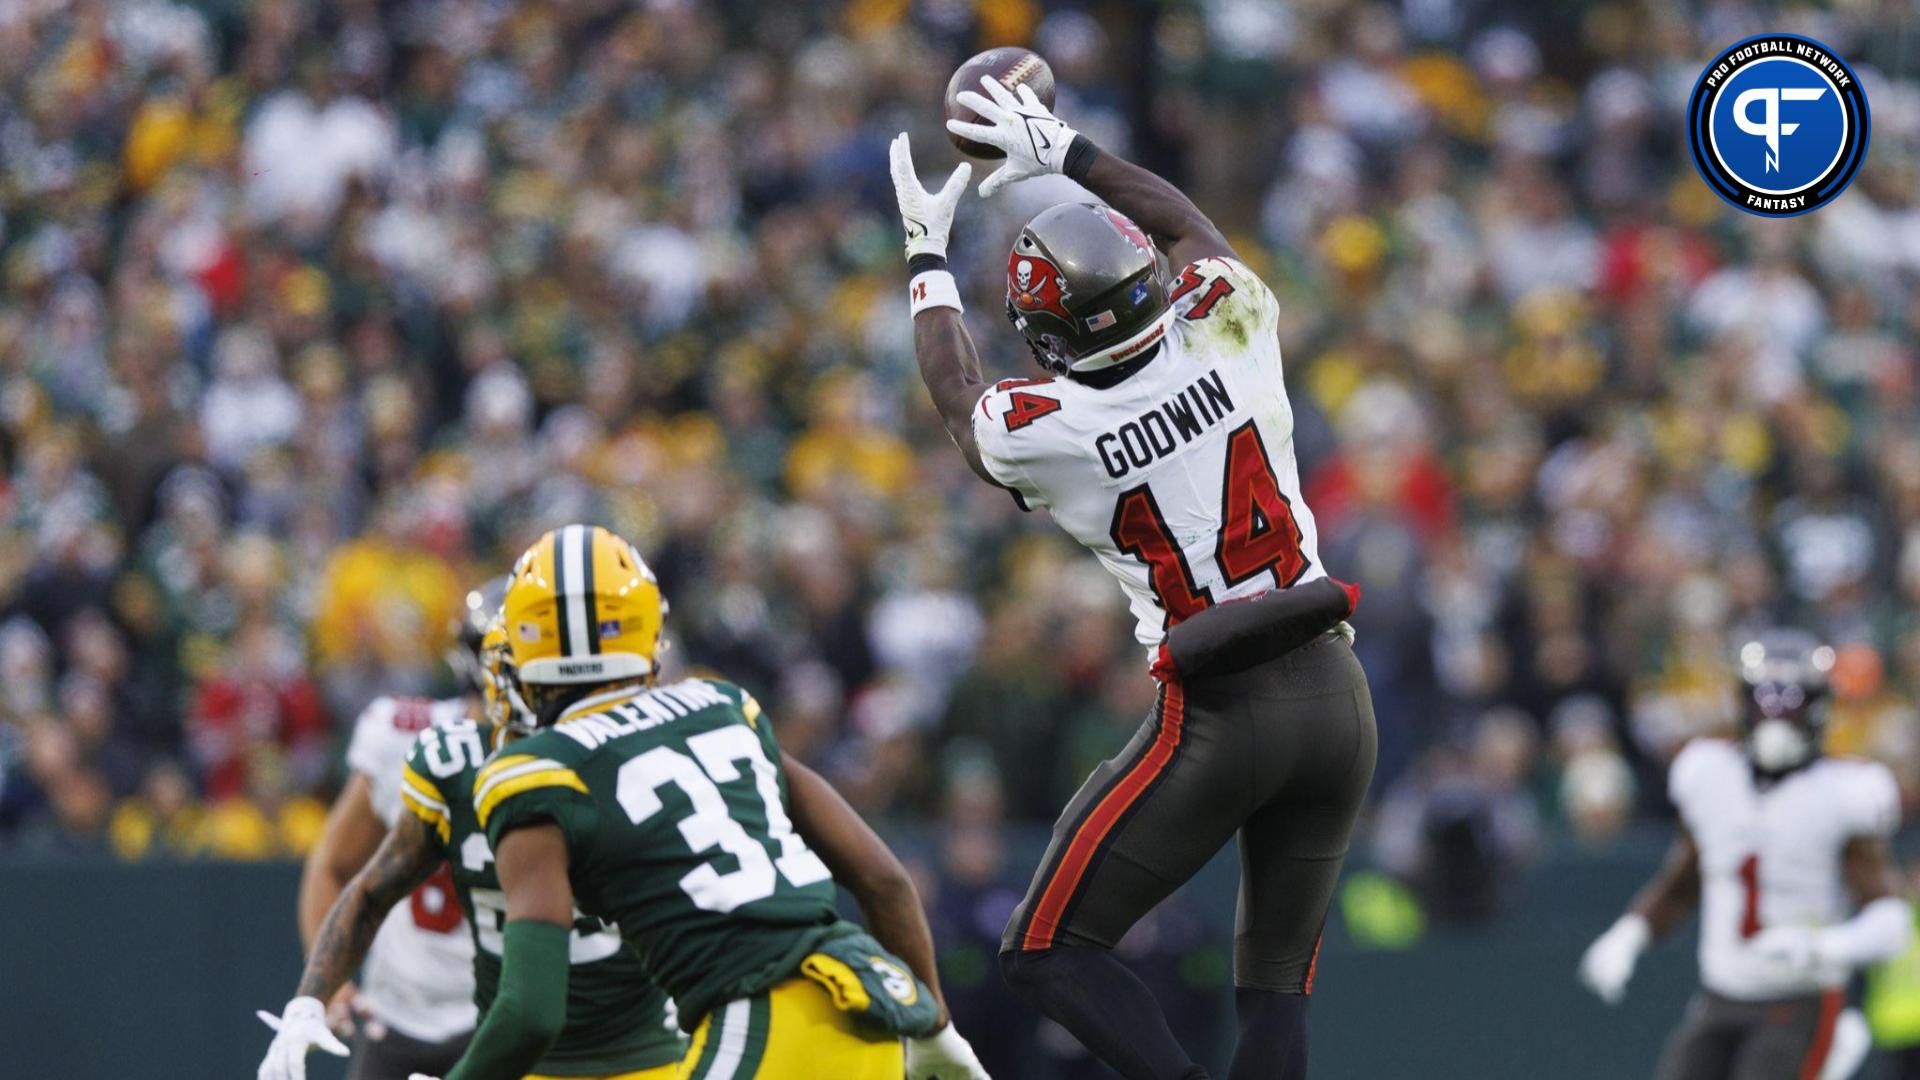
(932, 289)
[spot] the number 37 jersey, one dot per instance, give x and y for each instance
(1181, 478)
(673, 805)
(1770, 855)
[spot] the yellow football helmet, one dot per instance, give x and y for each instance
(501, 702)
(583, 608)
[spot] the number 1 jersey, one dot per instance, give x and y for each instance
(1181, 478)
(674, 808)
(1770, 855)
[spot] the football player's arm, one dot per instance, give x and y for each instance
(1674, 893)
(951, 369)
(352, 833)
(949, 364)
(1037, 142)
(862, 862)
(1883, 927)
(531, 1006)
(1881, 930)
(1164, 211)
(402, 861)
(1607, 965)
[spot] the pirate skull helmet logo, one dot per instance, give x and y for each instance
(1035, 284)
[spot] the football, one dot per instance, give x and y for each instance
(1012, 66)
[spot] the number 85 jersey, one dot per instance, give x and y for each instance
(617, 1021)
(1181, 477)
(1770, 855)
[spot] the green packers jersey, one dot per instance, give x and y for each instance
(674, 807)
(617, 1019)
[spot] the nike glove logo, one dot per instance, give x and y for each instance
(1037, 133)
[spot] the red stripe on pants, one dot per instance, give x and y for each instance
(1822, 1036)
(1092, 832)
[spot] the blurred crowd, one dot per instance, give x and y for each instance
(313, 315)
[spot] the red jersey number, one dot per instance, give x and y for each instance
(1190, 280)
(1258, 533)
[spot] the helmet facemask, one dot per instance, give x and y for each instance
(502, 701)
(1783, 719)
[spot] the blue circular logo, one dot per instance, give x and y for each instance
(1778, 125)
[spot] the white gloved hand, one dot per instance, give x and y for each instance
(1608, 963)
(1035, 140)
(927, 215)
(421, 1076)
(298, 1028)
(943, 1055)
(1795, 950)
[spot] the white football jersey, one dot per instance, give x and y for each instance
(1180, 478)
(418, 977)
(1770, 855)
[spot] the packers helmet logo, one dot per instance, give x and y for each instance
(895, 980)
(1034, 284)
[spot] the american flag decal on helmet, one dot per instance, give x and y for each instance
(1101, 321)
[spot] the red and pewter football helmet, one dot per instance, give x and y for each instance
(1785, 673)
(1086, 289)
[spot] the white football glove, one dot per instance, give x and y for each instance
(300, 1027)
(1034, 139)
(943, 1055)
(421, 1076)
(1608, 963)
(927, 215)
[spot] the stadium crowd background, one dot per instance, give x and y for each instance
(314, 315)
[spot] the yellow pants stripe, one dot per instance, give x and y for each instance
(792, 1032)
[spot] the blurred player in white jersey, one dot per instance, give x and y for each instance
(1161, 438)
(1785, 853)
(414, 1003)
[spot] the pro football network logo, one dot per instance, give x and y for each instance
(1778, 125)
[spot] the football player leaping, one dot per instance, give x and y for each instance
(1776, 844)
(1161, 438)
(416, 996)
(669, 811)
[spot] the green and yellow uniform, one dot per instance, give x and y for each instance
(619, 1023)
(673, 804)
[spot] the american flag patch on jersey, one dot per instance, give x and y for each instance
(1101, 321)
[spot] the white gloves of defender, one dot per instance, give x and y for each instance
(1034, 139)
(1609, 961)
(943, 1055)
(300, 1027)
(927, 215)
